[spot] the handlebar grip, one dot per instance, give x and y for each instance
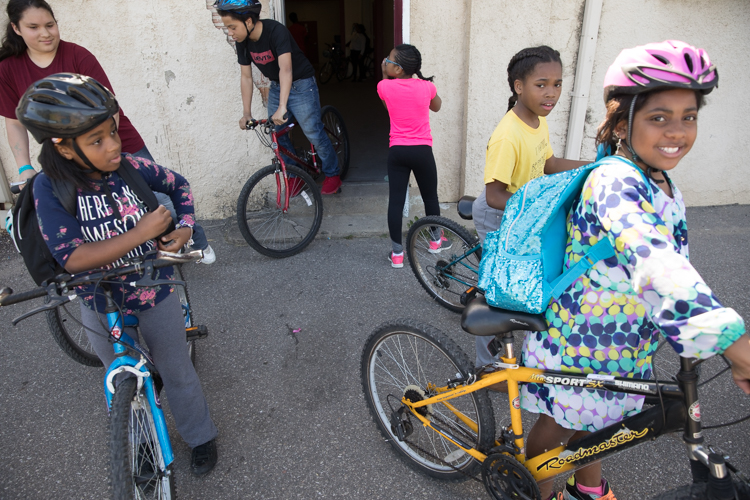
(15, 298)
(15, 189)
(251, 124)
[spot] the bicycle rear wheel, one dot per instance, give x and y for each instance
(263, 223)
(333, 123)
(187, 311)
(138, 468)
(326, 72)
(437, 270)
(345, 70)
(65, 326)
(405, 358)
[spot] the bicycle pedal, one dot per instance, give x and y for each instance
(468, 295)
(197, 332)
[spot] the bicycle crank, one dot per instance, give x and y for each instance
(505, 478)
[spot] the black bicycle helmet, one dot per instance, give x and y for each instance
(239, 6)
(65, 105)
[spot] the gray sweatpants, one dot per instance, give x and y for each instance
(163, 330)
(486, 219)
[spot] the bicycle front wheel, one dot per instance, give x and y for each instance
(333, 124)
(409, 359)
(65, 326)
(138, 468)
(445, 270)
(265, 225)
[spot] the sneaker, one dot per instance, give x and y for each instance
(438, 246)
(296, 184)
(209, 256)
(573, 493)
(204, 458)
(331, 185)
(397, 261)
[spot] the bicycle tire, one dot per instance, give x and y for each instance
(127, 476)
(187, 310)
(334, 125)
(420, 355)
(265, 226)
(344, 70)
(432, 270)
(326, 72)
(697, 491)
(64, 324)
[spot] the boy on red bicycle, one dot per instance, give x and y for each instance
(269, 45)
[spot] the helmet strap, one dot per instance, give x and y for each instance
(635, 157)
(82, 156)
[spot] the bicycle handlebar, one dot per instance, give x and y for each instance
(163, 259)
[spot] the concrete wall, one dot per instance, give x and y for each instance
(468, 44)
(178, 81)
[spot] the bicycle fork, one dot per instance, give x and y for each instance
(139, 368)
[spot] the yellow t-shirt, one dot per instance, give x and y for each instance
(516, 152)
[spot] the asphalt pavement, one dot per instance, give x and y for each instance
(280, 370)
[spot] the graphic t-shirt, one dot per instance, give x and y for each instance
(18, 73)
(516, 152)
(408, 102)
(274, 41)
(96, 221)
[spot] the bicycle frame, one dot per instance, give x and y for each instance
(680, 410)
(461, 260)
(126, 363)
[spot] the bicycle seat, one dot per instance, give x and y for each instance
(464, 206)
(479, 318)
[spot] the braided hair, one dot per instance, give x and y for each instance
(523, 63)
(410, 60)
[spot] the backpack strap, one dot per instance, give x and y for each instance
(66, 194)
(600, 251)
(138, 184)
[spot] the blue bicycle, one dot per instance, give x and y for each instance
(140, 450)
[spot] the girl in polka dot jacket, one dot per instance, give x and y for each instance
(609, 320)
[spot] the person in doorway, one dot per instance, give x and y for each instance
(409, 101)
(32, 50)
(519, 149)
(298, 31)
(357, 51)
(294, 92)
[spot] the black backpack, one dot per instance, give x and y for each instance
(37, 257)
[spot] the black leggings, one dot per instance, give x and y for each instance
(402, 160)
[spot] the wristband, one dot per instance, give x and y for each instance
(25, 168)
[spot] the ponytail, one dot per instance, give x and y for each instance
(410, 60)
(13, 44)
(524, 62)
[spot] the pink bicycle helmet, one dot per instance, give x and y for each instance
(670, 64)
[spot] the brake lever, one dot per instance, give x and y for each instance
(147, 280)
(55, 300)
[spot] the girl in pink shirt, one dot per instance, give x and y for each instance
(409, 101)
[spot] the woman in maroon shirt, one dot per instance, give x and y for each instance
(32, 50)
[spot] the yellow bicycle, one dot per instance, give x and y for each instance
(431, 404)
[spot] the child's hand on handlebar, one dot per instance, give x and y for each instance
(245, 121)
(175, 240)
(739, 354)
(153, 224)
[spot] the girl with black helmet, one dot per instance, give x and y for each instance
(72, 116)
(31, 50)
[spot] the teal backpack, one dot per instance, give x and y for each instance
(522, 265)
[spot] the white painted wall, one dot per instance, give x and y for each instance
(178, 80)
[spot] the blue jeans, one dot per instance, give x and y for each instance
(304, 105)
(199, 235)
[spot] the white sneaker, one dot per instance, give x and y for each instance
(209, 256)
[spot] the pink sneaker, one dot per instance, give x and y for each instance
(397, 261)
(296, 184)
(438, 246)
(331, 185)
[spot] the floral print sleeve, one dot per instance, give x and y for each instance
(164, 180)
(649, 248)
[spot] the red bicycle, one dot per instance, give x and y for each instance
(280, 208)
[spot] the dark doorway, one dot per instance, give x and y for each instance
(329, 22)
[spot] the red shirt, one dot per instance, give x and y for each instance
(18, 73)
